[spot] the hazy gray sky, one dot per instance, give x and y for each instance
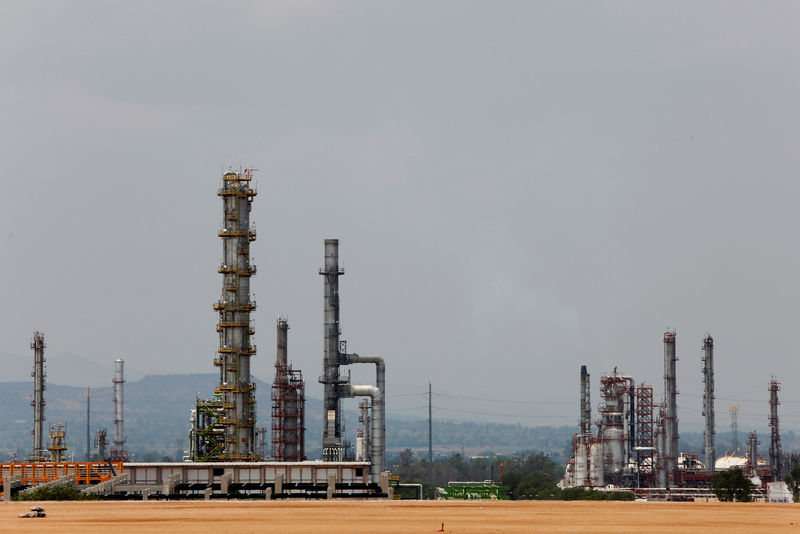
(519, 188)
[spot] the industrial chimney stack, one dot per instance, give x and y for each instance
(38, 403)
(775, 433)
(118, 452)
(671, 404)
(333, 448)
(708, 403)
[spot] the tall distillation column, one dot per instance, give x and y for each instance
(585, 431)
(118, 452)
(710, 453)
(775, 433)
(333, 447)
(671, 411)
(38, 403)
(236, 389)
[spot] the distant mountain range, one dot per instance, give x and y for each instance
(157, 421)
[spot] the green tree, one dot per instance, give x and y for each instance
(732, 485)
(793, 481)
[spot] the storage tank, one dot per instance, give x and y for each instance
(596, 464)
(614, 449)
(581, 465)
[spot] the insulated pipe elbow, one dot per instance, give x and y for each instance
(377, 456)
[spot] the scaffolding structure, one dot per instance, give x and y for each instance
(57, 446)
(734, 410)
(38, 345)
(224, 428)
(645, 423)
(288, 407)
(35, 473)
(288, 404)
(775, 452)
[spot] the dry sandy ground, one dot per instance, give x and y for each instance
(401, 517)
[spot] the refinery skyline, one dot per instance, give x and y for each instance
(517, 194)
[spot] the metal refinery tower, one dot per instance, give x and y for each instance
(224, 429)
(775, 452)
(118, 452)
(337, 386)
(710, 453)
(670, 464)
(38, 403)
(288, 404)
(333, 444)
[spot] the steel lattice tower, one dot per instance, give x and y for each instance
(644, 428)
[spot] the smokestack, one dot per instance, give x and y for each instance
(752, 451)
(118, 452)
(38, 403)
(775, 433)
(708, 403)
(671, 403)
(282, 359)
(332, 449)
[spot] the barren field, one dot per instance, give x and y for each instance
(401, 517)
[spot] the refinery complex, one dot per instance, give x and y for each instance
(635, 444)
(224, 457)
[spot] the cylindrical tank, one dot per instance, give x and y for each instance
(596, 464)
(581, 464)
(613, 449)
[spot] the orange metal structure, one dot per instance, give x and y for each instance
(35, 473)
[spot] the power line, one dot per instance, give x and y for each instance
(501, 400)
(502, 414)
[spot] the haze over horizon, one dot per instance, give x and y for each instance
(518, 189)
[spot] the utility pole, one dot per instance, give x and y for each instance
(430, 425)
(88, 432)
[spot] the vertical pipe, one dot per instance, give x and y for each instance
(38, 347)
(661, 464)
(331, 435)
(710, 454)
(671, 401)
(377, 459)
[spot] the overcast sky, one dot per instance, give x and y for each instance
(518, 188)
